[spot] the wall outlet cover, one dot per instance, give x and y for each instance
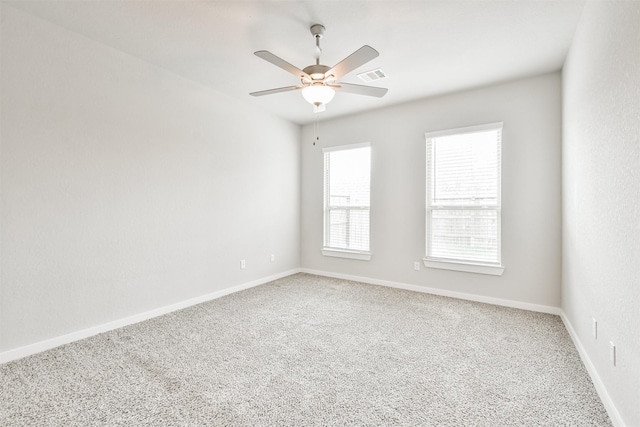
(612, 353)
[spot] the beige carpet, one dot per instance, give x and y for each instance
(312, 351)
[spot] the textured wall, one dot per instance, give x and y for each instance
(126, 188)
(601, 195)
(530, 110)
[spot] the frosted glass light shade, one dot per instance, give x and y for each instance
(318, 94)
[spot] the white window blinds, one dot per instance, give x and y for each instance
(463, 195)
(347, 174)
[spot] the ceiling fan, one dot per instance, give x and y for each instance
(318, 82)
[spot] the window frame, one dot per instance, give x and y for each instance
(342, 252)
(472, 266)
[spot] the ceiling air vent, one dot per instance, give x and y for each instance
(372, 75)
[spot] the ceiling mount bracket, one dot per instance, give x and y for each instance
(317, 31)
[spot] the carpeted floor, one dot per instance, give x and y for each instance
(311, 351)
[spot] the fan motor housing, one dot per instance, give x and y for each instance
(317, 71)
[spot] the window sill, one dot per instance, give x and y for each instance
(494, 270)
(344, 253)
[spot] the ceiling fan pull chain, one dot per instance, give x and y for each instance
(317, 129)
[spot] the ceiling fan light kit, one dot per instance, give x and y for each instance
(318, 83)
(318, 94)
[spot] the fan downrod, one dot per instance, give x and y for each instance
(317, 31)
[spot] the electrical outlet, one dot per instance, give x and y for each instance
(416, 266)
(594, 328)
(243, 264)
(273, 257)
(612, 353)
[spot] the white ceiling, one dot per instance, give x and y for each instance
(426, 47)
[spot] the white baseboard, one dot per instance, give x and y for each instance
(48, 344)
(616, 419)
(441, 292)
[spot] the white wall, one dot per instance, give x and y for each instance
(530, 110)
(601, 195)
(126, 188)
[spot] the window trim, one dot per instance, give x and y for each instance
(342, 252)
(346, 253)
(455, 264)
(494, 270)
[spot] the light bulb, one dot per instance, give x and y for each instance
(318, 94)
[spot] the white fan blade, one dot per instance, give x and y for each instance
(353, 61)
(277, 90)
(378, 92)
(279, 62)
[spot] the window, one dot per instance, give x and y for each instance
(347, 175)
(463, 199)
